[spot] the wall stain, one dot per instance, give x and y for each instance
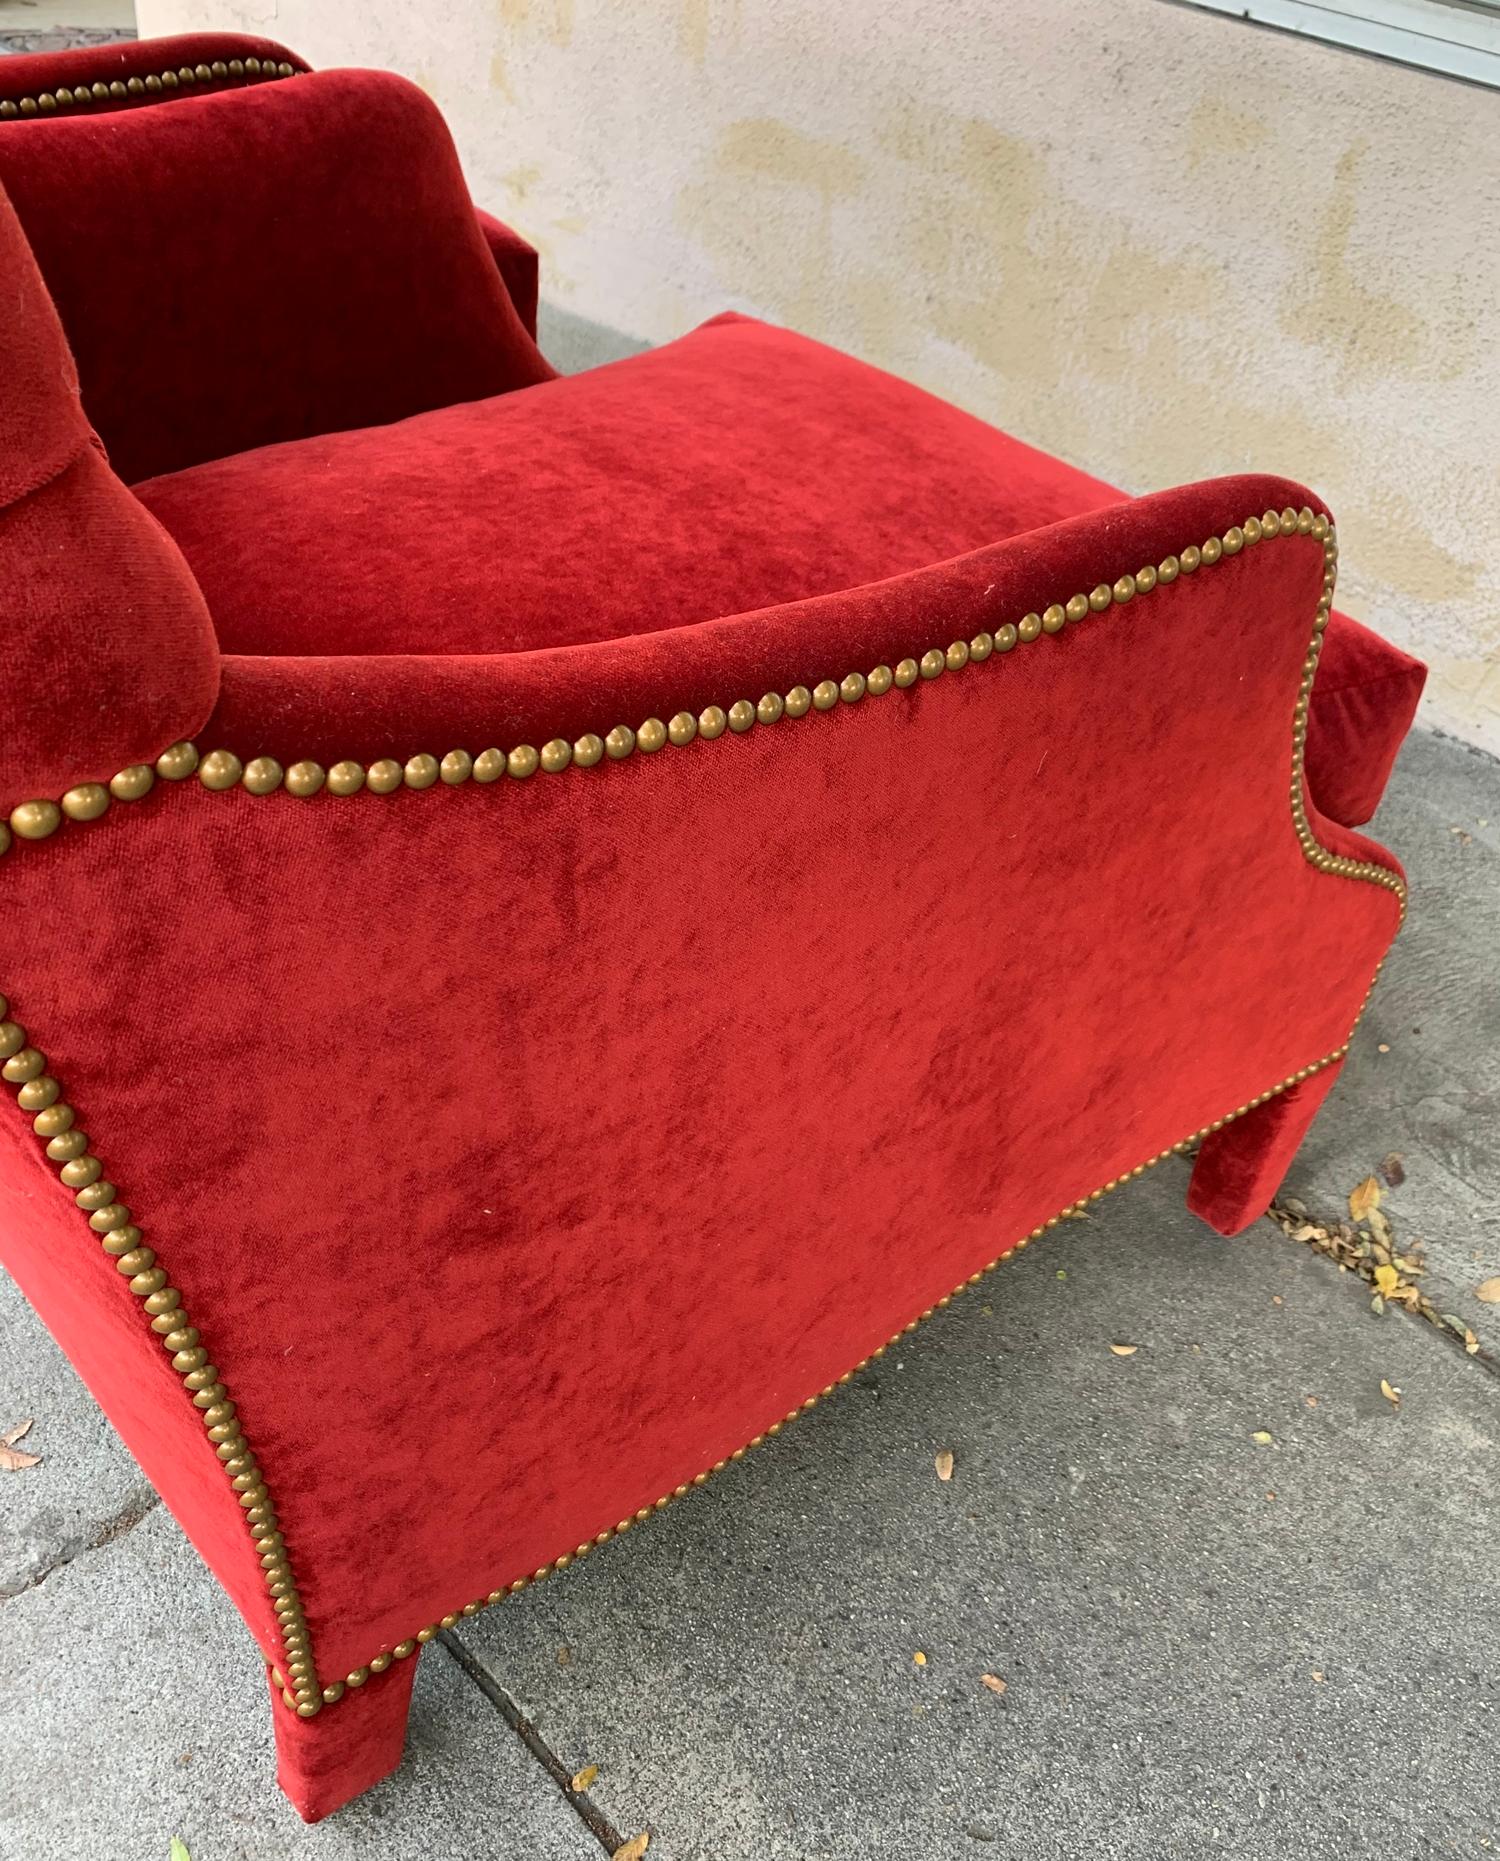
(518, 182)
(500, 76)
(549, 19)
(1215, 129)
(1339, 309)
(765, 211)
(1396, 550)
(692, 30)
(767, 148)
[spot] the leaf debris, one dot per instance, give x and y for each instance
(1363, 1250)
(12, 1459)
(1364, 1198)
(943, 1464)
(582, 1779)
(993, 1682)
(634, 1848)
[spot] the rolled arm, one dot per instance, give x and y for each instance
(517, 264)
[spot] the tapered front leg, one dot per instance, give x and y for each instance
(324, 1761)
(1240, 1168)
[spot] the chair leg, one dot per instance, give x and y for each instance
(1240, 1168)
(324, 1762)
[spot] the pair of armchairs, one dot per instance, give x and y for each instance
(548, 919)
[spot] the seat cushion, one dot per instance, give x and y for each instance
(736, 469)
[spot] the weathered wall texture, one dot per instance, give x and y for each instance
(1161, 243)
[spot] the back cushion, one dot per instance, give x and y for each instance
(263, 264)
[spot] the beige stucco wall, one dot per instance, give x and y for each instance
(1161, 243)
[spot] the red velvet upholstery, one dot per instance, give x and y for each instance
(514, 1152)
(130, 74)
(1362, 707)
(331, 273)
(477, 529)
(109, 608)
(516, 261)
(650, 494)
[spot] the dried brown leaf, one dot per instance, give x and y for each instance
(993, 1682)
(582, 1779)
(12, 1458)
(1393, 1169)
(635, 1847)
(1124, 1350)
(1363, 1197)
(943, 1463)
(1489, 1290)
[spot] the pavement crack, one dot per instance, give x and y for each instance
(140, 1506)
(1357, 1250)
(598, 1825)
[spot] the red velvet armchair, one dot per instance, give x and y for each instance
(547, 920)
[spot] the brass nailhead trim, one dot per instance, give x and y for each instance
(263, 775)
(157, 84)
(221, 770)
(120, 1238)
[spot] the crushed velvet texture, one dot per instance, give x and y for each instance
(283, 259)
(658, 491)
(647, 494)
(566, 1134)
(48, 1248)
(1239, 1169)
(1363, 704)
(321, 1763)
(516, 261)
(81, 67)
(557, 1137)
(107, 650)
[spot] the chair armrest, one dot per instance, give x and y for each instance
(741, 1051)
(391, 705)
(517, 264)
